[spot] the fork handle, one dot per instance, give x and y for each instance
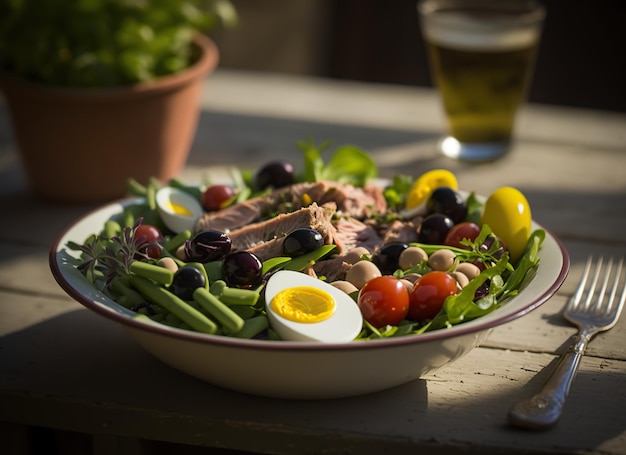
(542, 410)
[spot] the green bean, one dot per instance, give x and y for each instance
(162, 297)
(217, 287)
(142, 315)
(128, 217)
(231, 321)
(125, 301)
(144, 318)
(177, 241)
(195, 306)
(192, 190)
(301, 262)
(151, 194)
(245, 312)
(153, 272)
(142, 310)
(273, 263)
(149, 213)
(236, 296)
(129, 296)
(134, 188)
(252, 327)
(153, 218)
(135, 211)
(111, 228)
(214, 270)
(233, 296)
(200, 267)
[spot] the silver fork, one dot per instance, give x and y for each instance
(543, 409)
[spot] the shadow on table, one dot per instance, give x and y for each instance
(81, 363)
(250, 141)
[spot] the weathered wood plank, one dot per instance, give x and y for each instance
(56, 357)
(68, 359)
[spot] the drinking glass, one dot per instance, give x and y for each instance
(481, 55)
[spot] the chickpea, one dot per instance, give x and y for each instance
(412, 277)
(345, 286)
(354, 255)
(442, 260)
(461, 279)
(181, 254)
(168, 263)
(468, 269)
(407, 284)
(361, 272)
(411, 256)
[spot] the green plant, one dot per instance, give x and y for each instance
(89, 43)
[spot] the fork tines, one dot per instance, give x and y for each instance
(595, 283)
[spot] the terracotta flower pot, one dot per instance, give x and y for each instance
(81, 145)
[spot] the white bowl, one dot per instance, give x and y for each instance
(301, 370)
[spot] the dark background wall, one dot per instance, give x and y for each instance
(581, 61)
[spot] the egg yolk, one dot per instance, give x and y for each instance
(304, 304)
(178, 209)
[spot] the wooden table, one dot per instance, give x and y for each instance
(67, 369)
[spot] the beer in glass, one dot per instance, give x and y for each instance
(481, 54)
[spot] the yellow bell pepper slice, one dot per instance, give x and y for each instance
(428, 182)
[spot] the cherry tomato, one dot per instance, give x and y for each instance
(384, 300)
(466, 230)
(215, 197)
(428, 295)
(146, 233)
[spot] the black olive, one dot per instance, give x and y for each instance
(301, 241)
(275, 174)
(434, 228)
(487, 245)
(482, 290)
(207, 246)
(242, 269)
(448, 202)
(387, 257)
(186, 280)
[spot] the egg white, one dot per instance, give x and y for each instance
(175, 221)
(343, 325)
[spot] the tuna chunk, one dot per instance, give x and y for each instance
(351, 201)
(266, 237)
(352, 233)
(332, 269)
(400, 231)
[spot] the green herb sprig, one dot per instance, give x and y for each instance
(107, 257)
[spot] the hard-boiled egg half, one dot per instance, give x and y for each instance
(302, 308)
(179, 210)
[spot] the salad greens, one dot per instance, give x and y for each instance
(504, 279)
(108, 258)
(349, 164)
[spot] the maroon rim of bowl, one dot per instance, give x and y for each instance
(225, 341)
